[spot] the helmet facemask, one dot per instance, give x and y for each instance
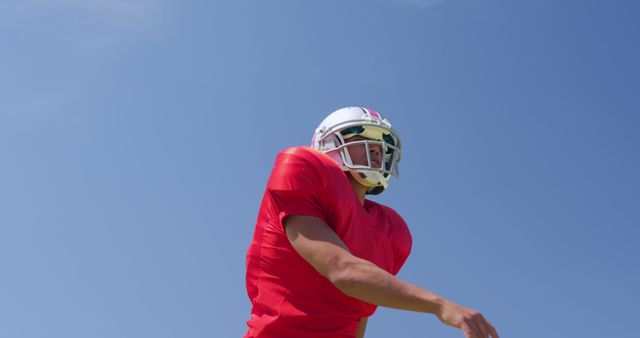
(372, 159)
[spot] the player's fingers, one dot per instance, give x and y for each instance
(480, 328)
(482, 324)
(492, 331)
(467, 330)
(474, 330)
(488, 329)
(484, 333)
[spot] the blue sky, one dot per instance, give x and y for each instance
(136, 138)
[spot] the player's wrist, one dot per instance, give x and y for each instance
(433, 303)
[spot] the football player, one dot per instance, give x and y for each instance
(323, 257)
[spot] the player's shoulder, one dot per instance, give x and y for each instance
(301, 168)
(305, 155)
(388, 212)
(301, 151)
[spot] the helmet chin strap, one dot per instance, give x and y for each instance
(375, 190)
(375, 186)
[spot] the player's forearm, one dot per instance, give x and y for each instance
(364, 280)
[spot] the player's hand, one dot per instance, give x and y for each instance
(470, 321)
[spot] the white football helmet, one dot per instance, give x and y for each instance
(377, 140)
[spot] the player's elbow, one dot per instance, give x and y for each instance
(345, 274)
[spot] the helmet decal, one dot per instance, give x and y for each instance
(374, 114)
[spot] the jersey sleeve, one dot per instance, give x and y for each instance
(296, 185)
(403, 243)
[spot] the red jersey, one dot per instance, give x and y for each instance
(289, 297)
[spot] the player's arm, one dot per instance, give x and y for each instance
(319, 245)
(362, 327)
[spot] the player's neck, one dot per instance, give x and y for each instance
(360, 190)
